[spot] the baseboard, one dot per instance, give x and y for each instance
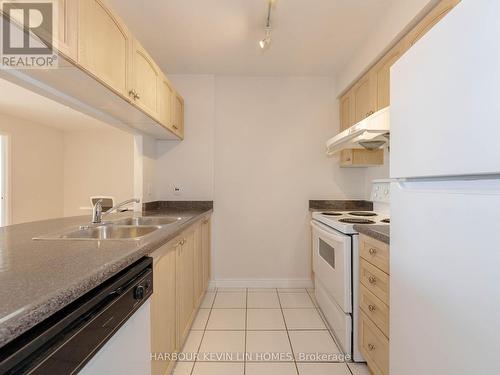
(261, 283)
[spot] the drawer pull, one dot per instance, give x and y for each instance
(372, 251)
(371, 308)
(372, 279)
(371, 347)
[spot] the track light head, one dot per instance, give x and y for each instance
(264, 43)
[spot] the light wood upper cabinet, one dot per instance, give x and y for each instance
(166, 95)
(144, 80)
(363, 99)
(185, 285)
(380, 76)
(346, 111)
(178, 120)
(104, 45)
(430, 20)
(163, 307)
(67, 40)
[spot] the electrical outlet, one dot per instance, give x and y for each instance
(177, 190)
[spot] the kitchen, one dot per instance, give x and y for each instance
(187, 193)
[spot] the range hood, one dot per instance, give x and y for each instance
(371, 133)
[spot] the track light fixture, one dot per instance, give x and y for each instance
(264, 43)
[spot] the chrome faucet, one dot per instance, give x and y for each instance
(97, 213)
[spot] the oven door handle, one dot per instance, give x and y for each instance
(328, 232)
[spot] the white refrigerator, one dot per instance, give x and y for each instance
(445, 198)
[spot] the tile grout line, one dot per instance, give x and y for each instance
(287, 333)
(204, 330)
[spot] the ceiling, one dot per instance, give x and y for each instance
(28, 105)
(310, 37)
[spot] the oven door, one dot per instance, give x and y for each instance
(332, 263)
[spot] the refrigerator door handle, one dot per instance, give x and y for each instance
(456, 186)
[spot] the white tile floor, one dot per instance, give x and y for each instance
(259, 332)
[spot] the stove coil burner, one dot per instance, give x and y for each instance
(356, 221)
(387, 221)
(331, 213)
(360, 213)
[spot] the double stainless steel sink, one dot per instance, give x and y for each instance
(132, 228)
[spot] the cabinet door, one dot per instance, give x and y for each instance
(363, 99)
(67, 40)
(434, 16)
(104, 45)
(144, 79)
(198, 267)
(185, 286)
(346, 111)
(178, 123)
(205, 243)
(165, 102)
(163, 309)
(380, 74)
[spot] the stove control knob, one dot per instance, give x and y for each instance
(139, 292)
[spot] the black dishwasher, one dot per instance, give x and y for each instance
(67, 340)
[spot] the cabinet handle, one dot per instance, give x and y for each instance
(132, 93)
(371, 308)
(372, 251)
(372, 279)
(137, 96)
(369, 113)
(175, 127)
(371, 347)
(205, 221)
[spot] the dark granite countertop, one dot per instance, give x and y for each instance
(340, 205)
(39, 277)
(379, 232)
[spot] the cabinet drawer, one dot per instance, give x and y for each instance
(375, 252)
(374, 280)
(375, 309)
(373, 345)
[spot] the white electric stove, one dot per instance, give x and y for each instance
(336, 265)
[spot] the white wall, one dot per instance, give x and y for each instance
(256, 146)
(36, 186)
(190, 164)
(97, 162)
(269, 161)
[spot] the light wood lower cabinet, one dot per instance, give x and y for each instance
(179, 285)
(374, 346)
(206, 250)
(163, 308)
(374, 304)
(198, 266)
(185, 272)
